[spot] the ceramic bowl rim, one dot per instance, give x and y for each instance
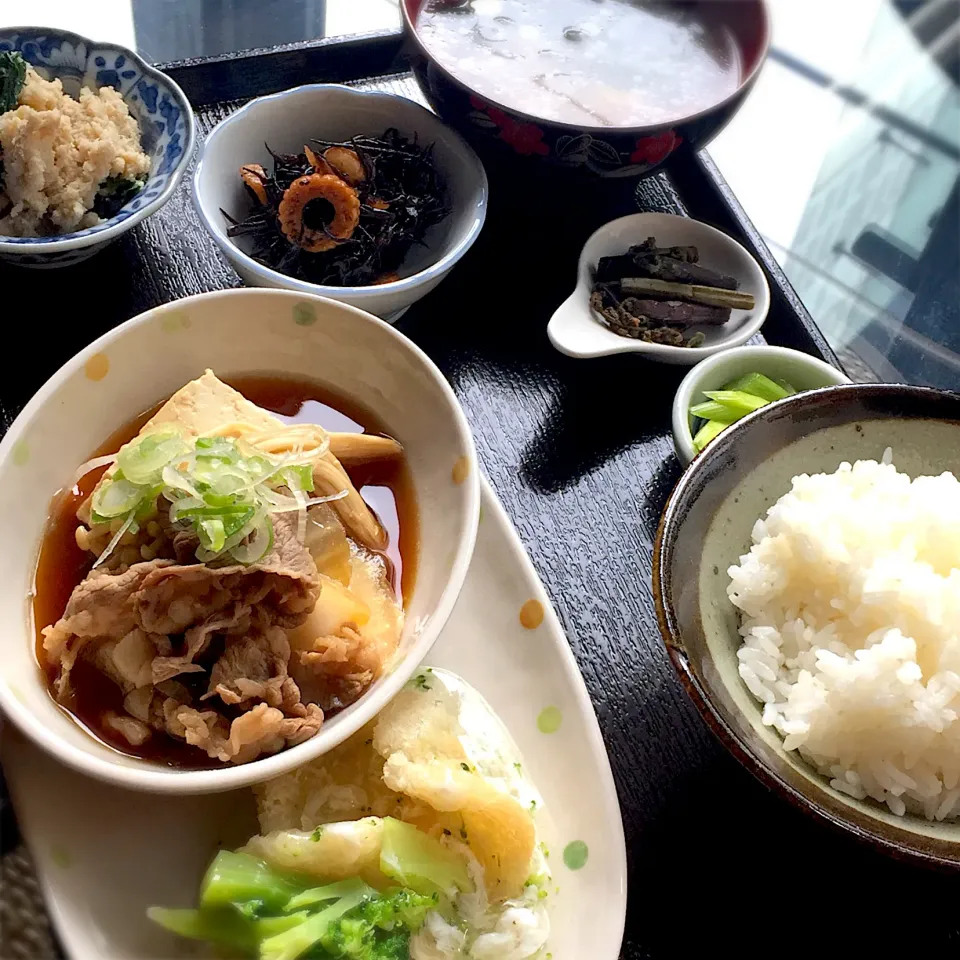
(370, 292)
(23, 245)
(680, 422)
(746, 82)
(680, 658)
(157, 779)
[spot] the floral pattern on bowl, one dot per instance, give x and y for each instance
(625, 158)
(159, 106)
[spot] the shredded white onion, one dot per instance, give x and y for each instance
(301, 499)
(116, 539)
(85, 468)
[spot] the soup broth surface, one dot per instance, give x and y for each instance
(589, 62)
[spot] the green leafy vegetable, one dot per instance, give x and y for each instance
(296, 941)
(732, 402)
(379, 929)
(212, 926)
(256, 912)
(240, 878)
(419, 861)
(711, 410)
(13, 74)
(114, 194)
(332, 891)
(709, 431)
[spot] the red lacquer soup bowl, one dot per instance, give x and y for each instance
(502, 132)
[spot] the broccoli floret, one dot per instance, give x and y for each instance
(379, 928)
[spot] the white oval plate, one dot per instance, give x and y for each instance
(104, 855)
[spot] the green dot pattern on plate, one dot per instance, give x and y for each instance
(178, 320)
(20, 453)
(304, 315)
(549, 720)
(60, 856)
(575, 855)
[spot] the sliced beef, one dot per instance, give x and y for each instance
(127, 661)
(254, 668)
(197, 639)
(284, 587)
(261, 730)
(102, 606)
(135, 732)
(164, 600)
(337, 669)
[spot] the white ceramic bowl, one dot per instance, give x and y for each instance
(145, 360)
(575, 330)
(800, 370)
(288, 120)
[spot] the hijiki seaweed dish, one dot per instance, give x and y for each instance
(663, 294)
(342, 213)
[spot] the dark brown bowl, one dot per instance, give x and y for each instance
(500, 132)
(706, 527)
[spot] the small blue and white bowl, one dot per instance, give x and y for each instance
(288, 120)
(160, 107)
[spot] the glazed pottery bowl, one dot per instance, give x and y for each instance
(142, 362)
(590, 152)
(159, 106)
(800, 370)
(706, 527)
(286, 121)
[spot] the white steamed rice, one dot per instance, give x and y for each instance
(850, 600)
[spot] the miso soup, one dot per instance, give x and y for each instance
(588, 62)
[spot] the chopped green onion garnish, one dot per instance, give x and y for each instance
(116, 498)
(224, 490)
(140, 462)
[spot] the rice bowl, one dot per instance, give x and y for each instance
(850, 603)
(706, 528)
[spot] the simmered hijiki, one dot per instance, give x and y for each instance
(416, 839)
(344, 214)
(236, 591)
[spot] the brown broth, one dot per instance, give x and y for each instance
(387, 489)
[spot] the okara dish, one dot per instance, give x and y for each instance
(413, 840)
(850, 617)
(657, 294)
(65, 164)
(342, 214)
(223, 584)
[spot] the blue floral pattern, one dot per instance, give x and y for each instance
(159, 106)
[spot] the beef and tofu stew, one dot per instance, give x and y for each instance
(228, 572)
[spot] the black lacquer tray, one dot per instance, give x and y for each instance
(581, 456)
